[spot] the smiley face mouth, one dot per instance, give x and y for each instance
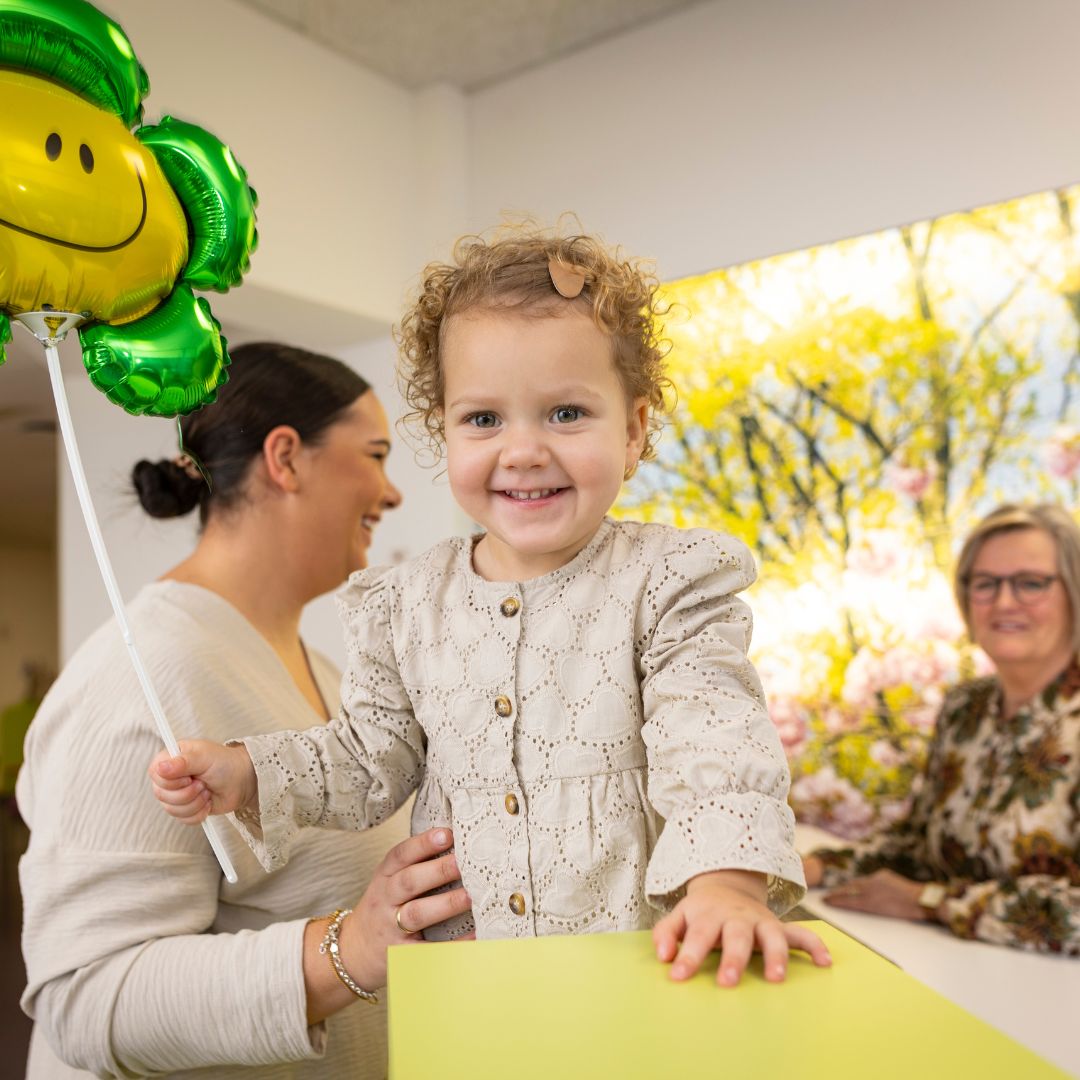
(86, 247)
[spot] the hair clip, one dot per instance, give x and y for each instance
(568, 280)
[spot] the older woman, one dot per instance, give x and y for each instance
(140, 957)
(991, 847)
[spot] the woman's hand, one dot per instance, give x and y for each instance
(727, 909)
(882, 893)
(204, 778)
(395, 895)
(813, 870)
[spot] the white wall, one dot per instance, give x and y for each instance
(733, 131)
(328, 146)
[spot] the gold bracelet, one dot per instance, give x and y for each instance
(330, 946)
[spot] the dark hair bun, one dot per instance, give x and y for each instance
(165, 490)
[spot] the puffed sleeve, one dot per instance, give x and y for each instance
(355, 771)
(717, 772)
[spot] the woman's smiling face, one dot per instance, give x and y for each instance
(347, 489)
(1034, 635)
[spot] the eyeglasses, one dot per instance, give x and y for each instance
(1028, 588)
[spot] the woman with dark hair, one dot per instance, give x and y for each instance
(991, 846)
(126, 910)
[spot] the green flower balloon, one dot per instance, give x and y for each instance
(106, 218)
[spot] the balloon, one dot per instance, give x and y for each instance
(187, 358)
(221, 206)
(73, 43)
(115, 224)
(109, 239)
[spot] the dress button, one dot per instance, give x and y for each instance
(511, 803)
(510, 606)
(517, 903)
(503, 706)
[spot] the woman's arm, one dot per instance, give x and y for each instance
(1034, 912)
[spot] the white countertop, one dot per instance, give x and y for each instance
(1033, 998)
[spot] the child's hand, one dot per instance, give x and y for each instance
(727, 909)
(206, 778)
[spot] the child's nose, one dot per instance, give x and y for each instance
(523, 449)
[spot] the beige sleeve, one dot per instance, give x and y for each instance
(717, 772)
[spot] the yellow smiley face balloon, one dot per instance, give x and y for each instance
(88, 222)
(109, 219)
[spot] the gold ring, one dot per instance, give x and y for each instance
(401, 926)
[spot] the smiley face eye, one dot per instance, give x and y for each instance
(53, 146)
(86, 156)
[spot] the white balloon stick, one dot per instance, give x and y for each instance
(211, 827)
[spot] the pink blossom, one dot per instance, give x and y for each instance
(1062, 452)
(823, 798)
(790, 720)
(838, 720)
(909, 480)
(885, 754)
(878, 552)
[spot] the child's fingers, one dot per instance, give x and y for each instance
(736, 946)
(667, 934)
(773, 943)
(701, 937)
(190, 811)
(169, 772)
(190, 792)
(799, 937)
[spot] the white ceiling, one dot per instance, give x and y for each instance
(467, 43)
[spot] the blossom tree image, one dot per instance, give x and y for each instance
(849, 412)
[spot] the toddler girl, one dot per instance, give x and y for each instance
(571, 694)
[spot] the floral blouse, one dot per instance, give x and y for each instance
(996, 816)
(595, 737)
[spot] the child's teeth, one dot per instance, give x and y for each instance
(530, 495)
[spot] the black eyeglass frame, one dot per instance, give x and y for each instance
(1044, 581)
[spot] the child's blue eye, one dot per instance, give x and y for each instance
(483, 420)
(567, 414)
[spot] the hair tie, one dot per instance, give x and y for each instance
(568, 280)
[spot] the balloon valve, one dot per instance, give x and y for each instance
(50, 327)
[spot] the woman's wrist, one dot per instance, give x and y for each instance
(331, 948)
(327, 992)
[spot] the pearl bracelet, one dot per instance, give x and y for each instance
(330, 946)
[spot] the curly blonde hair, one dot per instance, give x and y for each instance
(511, 271)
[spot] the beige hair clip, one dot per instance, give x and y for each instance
(568, 280)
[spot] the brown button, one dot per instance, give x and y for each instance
(511, 803)
(503, 706)
(517, 903)
(510, 606)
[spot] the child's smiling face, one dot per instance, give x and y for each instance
(539, 434)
